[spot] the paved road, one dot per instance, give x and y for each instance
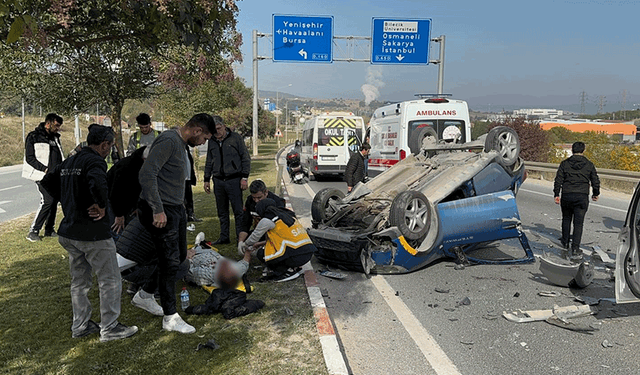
(18, 196)
(424, 332)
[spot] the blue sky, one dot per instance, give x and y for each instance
(495, 50)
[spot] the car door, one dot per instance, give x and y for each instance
(627, 261)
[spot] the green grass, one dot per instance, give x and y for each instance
(35, 336)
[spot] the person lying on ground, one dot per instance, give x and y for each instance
(208, 267)
(288, 246)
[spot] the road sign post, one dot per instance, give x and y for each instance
(302, 38)
(400, 41)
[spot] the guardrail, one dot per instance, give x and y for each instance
(612, 179)
(603, 173)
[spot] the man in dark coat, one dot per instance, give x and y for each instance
(354, 172)
(574, 177)
(229, 163)
(124, 188)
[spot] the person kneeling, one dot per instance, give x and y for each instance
(287, 247)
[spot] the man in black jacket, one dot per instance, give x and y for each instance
(354, 172)
(574, 177)
(229, 163)
(188, 191)
(42, 153)
(124, 188)
(80, 183)
(258, 190)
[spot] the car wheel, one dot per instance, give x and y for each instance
(411, 213)
(415, 143)
(324, 204)
(504, 140)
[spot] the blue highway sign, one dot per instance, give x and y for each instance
(400, 41)
(302, 38)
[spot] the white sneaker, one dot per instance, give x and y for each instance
(175, 323)
(147, 304)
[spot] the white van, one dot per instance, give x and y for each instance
(325, 151)
(397, 130)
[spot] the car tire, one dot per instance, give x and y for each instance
(415, 143)
(411, 212)
(505, 141)
(321, 207)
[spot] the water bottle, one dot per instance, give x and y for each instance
(184, 298)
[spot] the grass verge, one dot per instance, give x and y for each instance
(35, 336)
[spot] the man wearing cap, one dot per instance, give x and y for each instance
(144, 136)
(161, 210)
(80, 183)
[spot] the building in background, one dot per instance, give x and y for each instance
(627, 130)
(538, 113)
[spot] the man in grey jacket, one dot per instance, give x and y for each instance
(229, 163)
(161, 211)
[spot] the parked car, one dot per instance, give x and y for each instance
(442, 202)
(627, 271)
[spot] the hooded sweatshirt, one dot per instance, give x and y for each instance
(575, 175)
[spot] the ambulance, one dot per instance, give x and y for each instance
(328, 140)
(397, 130)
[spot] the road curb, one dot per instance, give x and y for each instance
(333, 357)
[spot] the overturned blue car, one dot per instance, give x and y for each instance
(443, 201)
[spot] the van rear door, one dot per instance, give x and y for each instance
(331, 142)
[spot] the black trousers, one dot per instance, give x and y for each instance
(574, 208)
(228, 191)
(188, 198)
(46, 214)
(171, 248)
(281, 266)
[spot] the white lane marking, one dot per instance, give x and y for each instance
(310, 191)
(590, 203)
(12, 187)
(436, 357)
(3, 202)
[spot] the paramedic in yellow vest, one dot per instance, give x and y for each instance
(144, 136)
(287, 247)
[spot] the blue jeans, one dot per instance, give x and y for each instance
(99, 256)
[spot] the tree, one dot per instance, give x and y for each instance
(534, 143)
(70, 54)
(479, 128)
(230, 99)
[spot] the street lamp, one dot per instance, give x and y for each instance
(277, 101)
(286, 124)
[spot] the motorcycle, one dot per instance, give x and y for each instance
(297, 172)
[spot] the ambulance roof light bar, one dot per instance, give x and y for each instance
(425, 96)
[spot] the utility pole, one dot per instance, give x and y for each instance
(623, 104)
(583, 102)
(602, 102)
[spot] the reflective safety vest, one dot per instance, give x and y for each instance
(139, 134)
(283, 237)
